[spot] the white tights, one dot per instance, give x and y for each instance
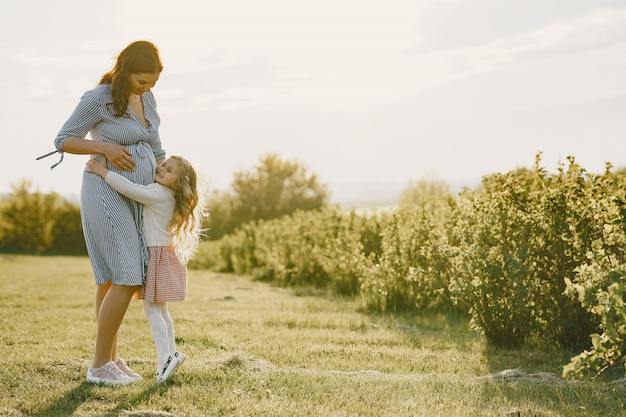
(162, 330)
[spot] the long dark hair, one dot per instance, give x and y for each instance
(138, 57)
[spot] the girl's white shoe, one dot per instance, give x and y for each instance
(172, 364)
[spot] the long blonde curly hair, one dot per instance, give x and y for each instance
(186, 224)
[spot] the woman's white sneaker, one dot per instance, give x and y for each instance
(121, 364)
(108, 374)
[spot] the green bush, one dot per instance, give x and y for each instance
(491, 265)
(516, 241)
(68, 230)
(603, 293)
(208, 256)
(411, 272)
(320, 248)
(35, 222)
(600, 286)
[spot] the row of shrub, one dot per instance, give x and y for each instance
(36, 222)
(531, 257)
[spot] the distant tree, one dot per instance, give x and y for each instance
(273, 188)
(276, 187)
(34, 222)
(25, 218)
(68, 230)
(220, 220)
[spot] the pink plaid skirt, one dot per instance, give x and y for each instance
(166, 277)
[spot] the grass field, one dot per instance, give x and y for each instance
(255, 350)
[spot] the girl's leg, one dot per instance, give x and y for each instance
(175, 359)
(170, 328)
(111, 304)
(159, 332)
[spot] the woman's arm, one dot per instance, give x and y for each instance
(118, 155)
(89, 112)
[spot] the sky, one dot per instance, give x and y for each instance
(358, 91)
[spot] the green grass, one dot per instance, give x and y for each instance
(255, 350)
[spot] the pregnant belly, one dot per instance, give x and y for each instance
(146, 166)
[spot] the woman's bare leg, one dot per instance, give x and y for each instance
(111, 306)
(101, 292)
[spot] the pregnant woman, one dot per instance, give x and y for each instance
(121, 117)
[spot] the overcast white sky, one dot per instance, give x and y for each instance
(356, 90)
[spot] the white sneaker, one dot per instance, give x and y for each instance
(121, 364)
(173, 362)
(108, 374)
(181, 358)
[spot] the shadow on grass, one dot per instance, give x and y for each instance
(430, 328)
(68, 404)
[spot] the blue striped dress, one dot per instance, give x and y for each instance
(112, 223)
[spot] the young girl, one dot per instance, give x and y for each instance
(171, 224)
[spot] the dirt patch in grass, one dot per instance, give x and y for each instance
(517, 376)
(146, 413)
(240, 360)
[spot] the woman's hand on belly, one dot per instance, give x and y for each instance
(120, 157)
